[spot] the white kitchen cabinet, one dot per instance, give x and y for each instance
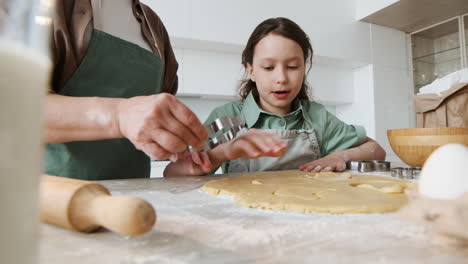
(232, 22)
(437, 51)
(209, 73)
(365, 8)
(409, 15)
(209, 37)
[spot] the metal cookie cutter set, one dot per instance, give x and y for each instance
(231, 125)
(368, 165)
(407, 173)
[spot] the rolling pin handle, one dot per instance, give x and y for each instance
(126, 215)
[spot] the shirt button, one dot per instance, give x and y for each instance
(282, 122)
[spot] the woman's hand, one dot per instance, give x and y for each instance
(332, 162)
(160, 125)
(252, 144)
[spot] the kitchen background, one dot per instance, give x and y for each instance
(362, 72)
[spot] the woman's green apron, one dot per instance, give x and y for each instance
(113, 68)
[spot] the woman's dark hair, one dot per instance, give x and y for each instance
(279, 26)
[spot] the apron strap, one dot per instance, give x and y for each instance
(79, 24)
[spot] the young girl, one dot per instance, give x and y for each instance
(286, 129)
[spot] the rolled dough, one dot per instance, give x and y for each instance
(307, 192)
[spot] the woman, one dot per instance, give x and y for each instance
(111, 106)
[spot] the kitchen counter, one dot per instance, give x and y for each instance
(195, 227)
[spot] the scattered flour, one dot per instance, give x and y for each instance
(196, 227)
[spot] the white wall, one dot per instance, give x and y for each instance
(392, 84)
(383, 93)
(361, 111)
(392, 92)
(331, 84)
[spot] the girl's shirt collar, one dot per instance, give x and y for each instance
(251, 112)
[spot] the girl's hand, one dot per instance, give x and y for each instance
(253, 144)
(191, 163)
(332, 162)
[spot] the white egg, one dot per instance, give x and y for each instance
(445, 173)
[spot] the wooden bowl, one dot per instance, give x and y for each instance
(414, 145)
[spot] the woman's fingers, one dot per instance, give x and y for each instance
(162, 119)
(177, 128)
(168, 141)
(191, 122)
(155, 151)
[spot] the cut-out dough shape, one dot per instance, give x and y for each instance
(308, 192)
(301, 193)
(385, 187)
(330, 176)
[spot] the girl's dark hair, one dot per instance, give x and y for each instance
(279, 26)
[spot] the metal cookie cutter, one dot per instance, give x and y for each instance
(380, 165)
(368, 165)
(232, 125)
(407, 173)
(353, 165)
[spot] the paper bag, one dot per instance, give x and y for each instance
(447, 109)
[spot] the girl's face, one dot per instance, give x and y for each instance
(278, 70)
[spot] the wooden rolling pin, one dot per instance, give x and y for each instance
(85, 206)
